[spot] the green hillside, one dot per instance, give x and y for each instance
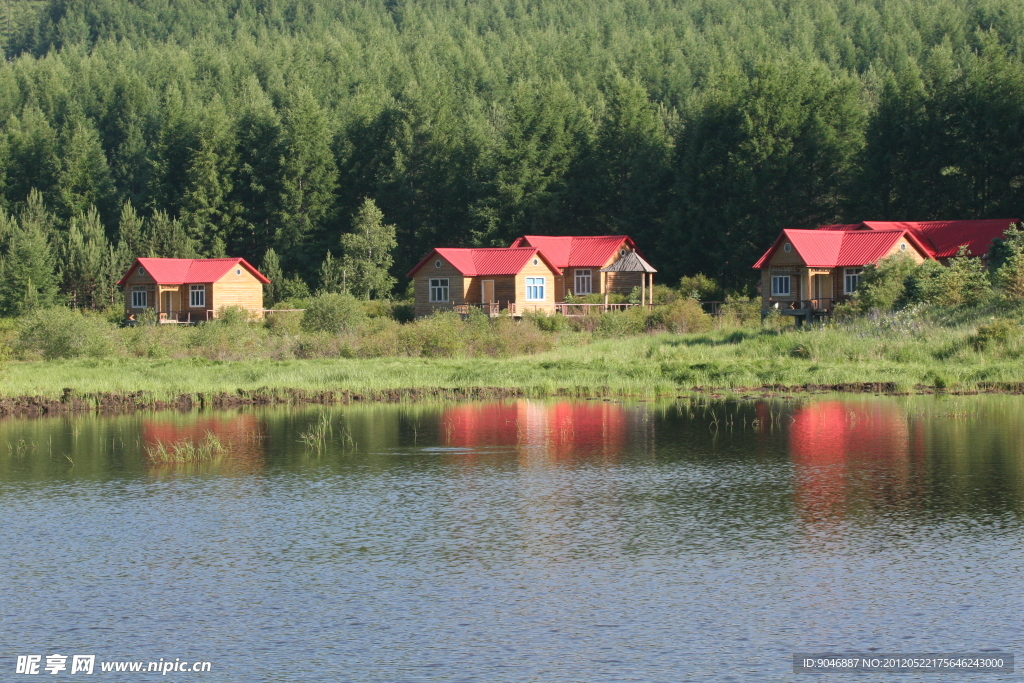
(700, 127)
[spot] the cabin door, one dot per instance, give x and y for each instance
(165, 307)
(818, 282)
(487, 292)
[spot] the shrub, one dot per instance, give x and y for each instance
(700, 287)
(999, 331)
(438, 335)
(740, 311)
(621, 323)
(681, 316)
(547, 323)
(63, 333)
(883, 286)
(232, 315)
(964, 282)
(283, 323)
(334, 313)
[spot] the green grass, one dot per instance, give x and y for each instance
(905, 352)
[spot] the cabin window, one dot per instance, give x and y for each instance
(438, 290)
(139, 298)
(238, 271)
(535, 289)
(142, 271)
(584, 282)
(437, 264)
(780, 285)
(903, 247)
(622, 252)
(787, 247)
(535, 262)
(197, 296)
(850, 280)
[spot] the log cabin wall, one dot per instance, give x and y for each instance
(457, 287)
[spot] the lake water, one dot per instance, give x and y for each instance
(518, 541)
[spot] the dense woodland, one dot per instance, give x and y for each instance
(700, 127)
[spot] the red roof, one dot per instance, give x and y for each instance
(576, 252)
(488, 261)
(935, 239)
(841, 248)
(944, 238)
(183, 271)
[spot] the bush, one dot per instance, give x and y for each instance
(681, 316)
(62, 333)
(621, 323)
(232, 315)
(334, 313)
(284, 323)
(964, 282)
(438, 335)
(999, 332)
(739, 311)
(700, 287)
(883, 286)
(547, 323)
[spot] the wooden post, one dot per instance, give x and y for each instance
(643, 288)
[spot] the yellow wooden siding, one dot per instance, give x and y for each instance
(535, 267)
(237, 287)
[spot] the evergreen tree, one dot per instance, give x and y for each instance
(367, 261)
(85, 261)
(27, 279)
(208, 215)
(309, 177)
(167, 238)
(130, 232)
(83, 179)
(271, 268)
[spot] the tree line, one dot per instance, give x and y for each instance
(260, 128)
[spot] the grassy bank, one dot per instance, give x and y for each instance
(902, 350)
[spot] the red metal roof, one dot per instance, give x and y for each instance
(576, 252)
(841, 248)
(944, 238)
(487, 261)
(935, 239)
(182, 271)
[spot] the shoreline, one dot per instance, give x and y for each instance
(112, 403)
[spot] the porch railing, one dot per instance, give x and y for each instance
(183, 317)
(493, 310)
(825, 304)
(595, 309)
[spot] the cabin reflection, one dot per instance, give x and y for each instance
(852, 452)
(540, 432)
(243, 435)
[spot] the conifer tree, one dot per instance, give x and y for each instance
(130, 232)
(271, 268)
(83, 179)
(367, 261)
(309, 177)
(28, 278)
(167, 238)
(85, 260)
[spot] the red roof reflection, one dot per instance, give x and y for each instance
(242, 434)
(562, 430)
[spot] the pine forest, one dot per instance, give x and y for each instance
(268, 129)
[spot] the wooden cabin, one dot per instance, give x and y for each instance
(806, 272)
(514, 280)
(586, 263)
(184, 290)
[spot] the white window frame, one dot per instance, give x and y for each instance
(140, 298)
(440, 290)
(584, 281)
(777, 289)
(535, 288)
(851, 274)
(197, 301)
